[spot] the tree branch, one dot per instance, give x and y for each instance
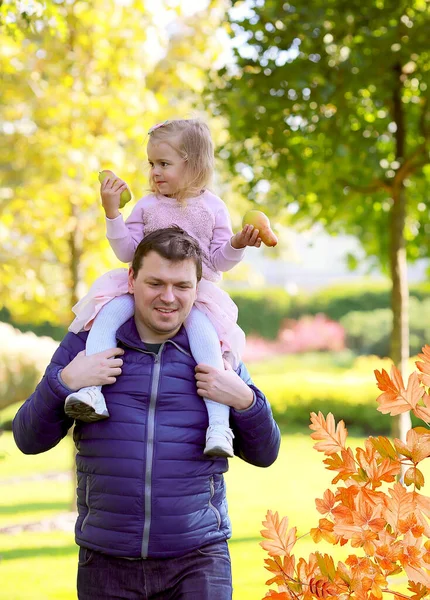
(409, 165)
(375, 186)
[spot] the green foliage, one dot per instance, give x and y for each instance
(296, 386)
(20, 18)
(369, 332)
(75, 100)
(328, 103)
(44, 329)
(262, 312)
(339, 300)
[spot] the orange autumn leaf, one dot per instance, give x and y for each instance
(391, 386)
(414, 476)
(387, 553)
(369, 516)
(419, 591)
(320, 587)
(277, 595)
(324, 531)
(383, 446)
(422, 409)
(282, 568)
(387, 471)
(281, 541)
(417, 445)
(399, 506)
(411, 524)
(424, 366)
(395, 399)
(307, 570)
(333, 437)
(375, 584)
(325, 504)
(326, 565)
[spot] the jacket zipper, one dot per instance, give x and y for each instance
(87, 501)
(150, 439)
(150, 452)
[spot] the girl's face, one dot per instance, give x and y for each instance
(167, 167)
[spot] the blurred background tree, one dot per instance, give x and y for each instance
(328, 113)
(78, 98)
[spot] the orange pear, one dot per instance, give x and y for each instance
(262, 223)
(125, 195)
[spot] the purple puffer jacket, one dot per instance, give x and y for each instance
(145, 488)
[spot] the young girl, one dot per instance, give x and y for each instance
(181, 159)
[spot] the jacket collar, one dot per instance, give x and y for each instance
(128, 335)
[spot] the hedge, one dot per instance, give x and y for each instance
(369, 332)
(261, 312)
(349, 394)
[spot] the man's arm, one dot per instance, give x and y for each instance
(256, 434)
(257, 437)
(41, 421)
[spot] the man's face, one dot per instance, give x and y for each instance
(164, 293)
(167, 167)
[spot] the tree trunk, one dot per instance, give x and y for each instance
(398, 262)
(75, 254)
(399, 302)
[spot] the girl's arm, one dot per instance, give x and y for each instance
(124, 237)
(222, 254)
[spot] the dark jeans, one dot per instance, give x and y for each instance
(203, 574)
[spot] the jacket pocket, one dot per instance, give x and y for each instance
(87, 500)
(211, 501)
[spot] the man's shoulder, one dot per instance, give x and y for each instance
(74, 341)
(243, 373)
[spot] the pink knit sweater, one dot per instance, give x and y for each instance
(205, 218)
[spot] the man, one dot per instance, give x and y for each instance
(152, 511)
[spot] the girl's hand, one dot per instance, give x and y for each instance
(249, 236)
(110, 192)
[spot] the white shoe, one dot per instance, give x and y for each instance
(87, 404)
(219, 441)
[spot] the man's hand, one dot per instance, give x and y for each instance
(110, 192)
(249, 236)
(225, 387)
(97, 369)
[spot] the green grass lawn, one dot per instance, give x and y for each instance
(42, 565)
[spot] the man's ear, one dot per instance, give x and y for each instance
(130, 281)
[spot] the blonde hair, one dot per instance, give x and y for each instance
(191, 139)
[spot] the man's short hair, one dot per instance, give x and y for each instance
(172, 243)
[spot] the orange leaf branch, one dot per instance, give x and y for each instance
(386, 522)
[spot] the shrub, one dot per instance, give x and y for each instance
(369, 332)
(57, 332)
(387, 523)
(311, 333)
(305, 335)
(23, 358)
(262, 313)
(337, 301)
